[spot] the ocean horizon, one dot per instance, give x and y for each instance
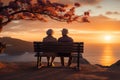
(101, 53)
(104, 54)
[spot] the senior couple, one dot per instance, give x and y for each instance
(64, 38)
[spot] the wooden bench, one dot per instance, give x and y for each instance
(58, 47)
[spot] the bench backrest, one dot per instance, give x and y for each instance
(58, 47)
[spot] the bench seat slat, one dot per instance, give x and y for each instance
(58, 47)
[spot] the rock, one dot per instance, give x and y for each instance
(115, 66)
(82, 60)
(102, 66)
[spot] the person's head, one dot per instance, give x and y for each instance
(49, 32)
(64, 31)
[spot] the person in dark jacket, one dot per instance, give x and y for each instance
(50, 38)
(65, 38)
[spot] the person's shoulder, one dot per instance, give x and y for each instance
(60, 38)
(70, 38)
(44, 39)
(55, 38)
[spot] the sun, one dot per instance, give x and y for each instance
(108, 37)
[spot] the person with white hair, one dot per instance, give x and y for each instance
(65, 38)
(50, 38)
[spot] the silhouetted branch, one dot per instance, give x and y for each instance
(25, 9)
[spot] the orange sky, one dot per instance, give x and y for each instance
(104, 21)
(95, 31)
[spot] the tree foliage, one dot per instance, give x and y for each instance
(26, 9)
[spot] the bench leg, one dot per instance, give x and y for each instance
(78, 61)
(38, 60)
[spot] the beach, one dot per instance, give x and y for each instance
(28, 71)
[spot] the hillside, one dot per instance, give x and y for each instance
(16, 46)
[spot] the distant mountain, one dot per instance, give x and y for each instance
(17, 46)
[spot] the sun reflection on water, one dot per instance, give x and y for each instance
(107, 56)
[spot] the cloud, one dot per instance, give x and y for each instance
(24, 57)
(117, 0)
(99, 7)
(36, 30)
(110, 13)
(88, 2)
(68, 1)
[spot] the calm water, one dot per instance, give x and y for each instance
(105, 54)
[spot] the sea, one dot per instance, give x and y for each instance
(102, 53)
(97, 53)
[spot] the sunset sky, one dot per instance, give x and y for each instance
(104, 26)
